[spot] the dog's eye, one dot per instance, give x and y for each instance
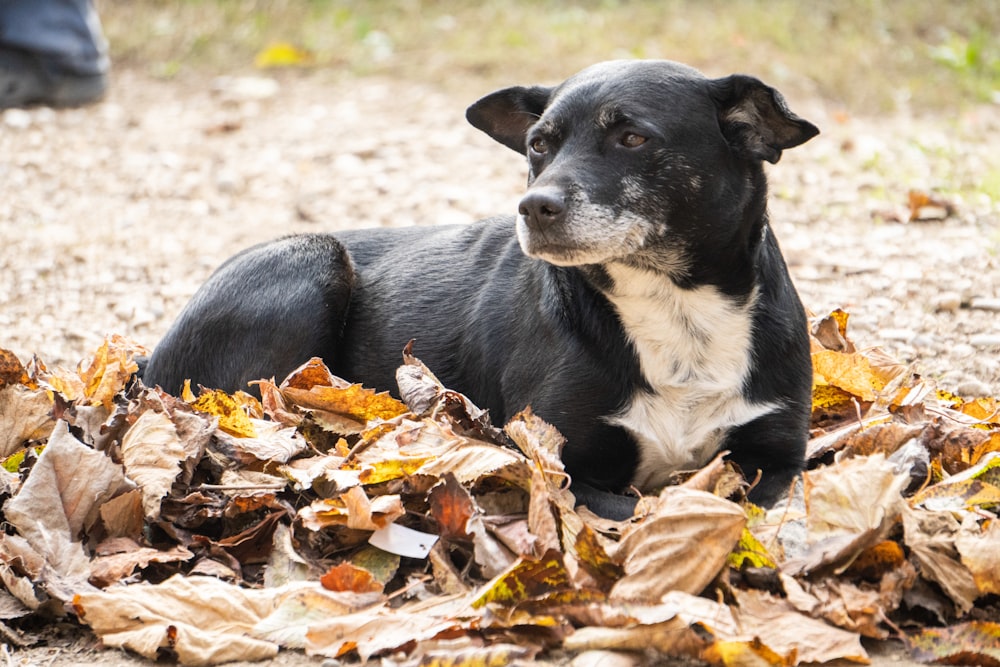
(632, 140)
(540, 146)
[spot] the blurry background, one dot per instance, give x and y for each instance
(869, 55)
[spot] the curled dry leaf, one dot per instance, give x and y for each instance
(70, 481)
(930, 536)
(25, 416)
(204, 620)
(152, 454)
(110, 369)
(850, 507)
(353, 509)
(682, 545)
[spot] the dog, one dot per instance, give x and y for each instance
(638, 302)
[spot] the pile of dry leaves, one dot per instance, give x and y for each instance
(330, 518)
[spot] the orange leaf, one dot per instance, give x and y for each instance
(350, 578)
(452, 506)
(12, 370)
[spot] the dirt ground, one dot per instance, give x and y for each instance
(111, 216)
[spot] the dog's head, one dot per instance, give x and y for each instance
(628, 156)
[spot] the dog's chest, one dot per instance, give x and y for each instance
(695, 351)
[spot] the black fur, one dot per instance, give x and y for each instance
(650, 141)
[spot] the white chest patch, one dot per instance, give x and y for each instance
(694, 351)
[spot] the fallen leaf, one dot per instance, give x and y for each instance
(70, 481)
(152, 454)
(25, 416)
(682, 545)
(975, 643)
(930, 536)
(110, 568)
(525, 579)
(452, 507)
(850, 507)
(353, 509)
(203, 620)
(978, 546)
(351, 578)
(372, 631)
(282, 54)
(232, 418)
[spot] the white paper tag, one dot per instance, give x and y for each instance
(403, 541)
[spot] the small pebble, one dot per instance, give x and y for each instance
(984, 303)
(973, 387)
(901, 335)
(19, 119)
(947, 302)
(985, 340)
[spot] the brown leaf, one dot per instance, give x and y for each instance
(371, 631)
(70, 481)
(351, 578)
(313, 387)
(526, 579)
(784, 630)
(112, 566)
(353, 509)
(682, 545)
(12, 371)
(926, 206)
(850, 507)
(831, 332)
(452, 507)
(979, 548)
(203, 620)
(25, 416)
(930, 536)
(152, 454)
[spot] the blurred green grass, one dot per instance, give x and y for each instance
(861, 55)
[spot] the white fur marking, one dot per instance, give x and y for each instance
(694, 351)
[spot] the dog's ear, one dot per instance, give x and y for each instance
(755, 119)
(507, 114)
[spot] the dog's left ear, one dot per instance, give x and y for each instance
(507, 114)
(755, 119)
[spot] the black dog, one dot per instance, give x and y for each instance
(639, 302)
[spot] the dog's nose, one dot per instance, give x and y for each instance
(543, 207)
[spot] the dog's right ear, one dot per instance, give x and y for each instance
(507, 114)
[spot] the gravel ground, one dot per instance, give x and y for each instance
(111, 216)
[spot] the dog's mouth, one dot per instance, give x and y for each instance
(588, 234)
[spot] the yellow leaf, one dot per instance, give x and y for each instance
(382, 471)
(753, 652)
(353, 401)
(282, 54)
(526, 579)
(110, 369)
(232, 419)
(852, 373)
(750, 551)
